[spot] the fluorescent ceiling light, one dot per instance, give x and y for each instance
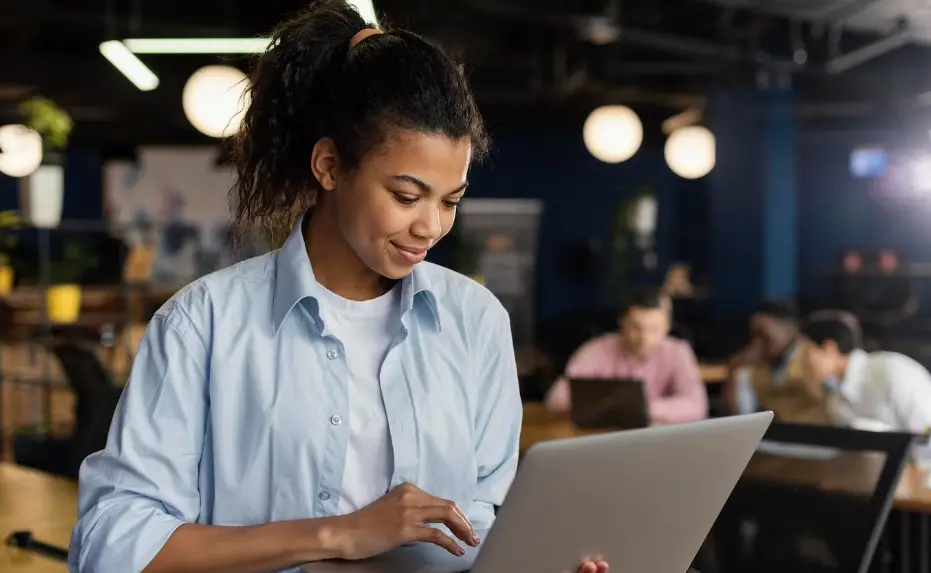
(366, 9)
(197, 45)
(129, 65)
(223, 45)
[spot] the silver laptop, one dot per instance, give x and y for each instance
(644, 500)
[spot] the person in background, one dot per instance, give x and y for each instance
(338, 397)
(678, 282)
(876, 390)
(848, 288)
(642, 349)
(763, 375)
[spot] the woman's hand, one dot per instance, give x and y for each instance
(593, 567)
(399, 517)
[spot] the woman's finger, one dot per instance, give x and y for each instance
(451, 518)
(435, 536)
(602, 566)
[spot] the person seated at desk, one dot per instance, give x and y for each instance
(644, 350)
(764, 374)
(853, 386)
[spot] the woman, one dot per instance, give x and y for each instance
(339, 397)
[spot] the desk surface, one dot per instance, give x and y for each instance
(851, 473)
(713, 373)
(44, 504)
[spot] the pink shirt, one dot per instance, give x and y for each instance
(673, 386)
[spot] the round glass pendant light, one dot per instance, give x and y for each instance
(20, 150)
(690, 152)
(613, 133)
(214, 100)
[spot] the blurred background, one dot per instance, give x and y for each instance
(750, 150)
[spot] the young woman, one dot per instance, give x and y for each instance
(339, 397)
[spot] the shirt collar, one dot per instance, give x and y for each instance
(295, 281)
(855, 373)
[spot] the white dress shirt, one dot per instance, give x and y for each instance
(884, 387)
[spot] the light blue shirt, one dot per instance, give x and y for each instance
(236, 412)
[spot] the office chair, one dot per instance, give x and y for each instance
(802, 518)
(96, 399)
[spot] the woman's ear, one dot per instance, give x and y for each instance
(324, 163)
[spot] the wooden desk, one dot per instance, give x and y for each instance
(43, 504)
(713, 373)
(852, 473)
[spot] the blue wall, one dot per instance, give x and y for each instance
(580, 195)
(841, 212)
(83, 187)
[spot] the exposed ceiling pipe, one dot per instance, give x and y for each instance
(600, 29)
(840, 15)
(663, 69)
(869, 52)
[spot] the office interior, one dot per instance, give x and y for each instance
(728, 153)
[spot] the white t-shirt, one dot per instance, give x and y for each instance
(366, 329)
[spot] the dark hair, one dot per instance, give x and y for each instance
(841, 327)
(782, 310)
(309, 85)
(648, 297)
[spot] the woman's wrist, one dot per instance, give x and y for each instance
(319, 539)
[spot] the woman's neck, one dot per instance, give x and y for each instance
(336, 266)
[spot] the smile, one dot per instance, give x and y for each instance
(410, 254)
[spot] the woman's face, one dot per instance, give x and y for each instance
(401, 200)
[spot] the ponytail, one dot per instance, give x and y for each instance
(311, 84)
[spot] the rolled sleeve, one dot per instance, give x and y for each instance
(498, 421)
(144, 484)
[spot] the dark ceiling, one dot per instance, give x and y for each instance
(532, 62)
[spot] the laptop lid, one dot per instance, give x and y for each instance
(616, 403)
(644, 500)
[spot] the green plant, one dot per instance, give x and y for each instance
(52, 122)
(9, 235)
(623, 251)
(76, 260)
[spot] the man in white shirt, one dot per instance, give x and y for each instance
(884, 390)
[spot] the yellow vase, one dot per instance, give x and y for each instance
(6, 279)
(63, 303)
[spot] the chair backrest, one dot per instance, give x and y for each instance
(85, 372)
(97, 397)
(813, 498)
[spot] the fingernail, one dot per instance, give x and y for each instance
(461, 551)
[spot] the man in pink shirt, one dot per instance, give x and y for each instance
(643, 350)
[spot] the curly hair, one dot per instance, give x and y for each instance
(309, 84)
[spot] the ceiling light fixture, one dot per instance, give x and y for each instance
(366, 9)
(197, 45)
(129, 65)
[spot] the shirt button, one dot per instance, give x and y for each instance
(336, 420)
(323, 495)
(332, 355)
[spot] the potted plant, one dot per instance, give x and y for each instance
(63, 298)
(41, 194)
(9, 237)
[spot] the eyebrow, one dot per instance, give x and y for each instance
(424, 188)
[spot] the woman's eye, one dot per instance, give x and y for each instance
(404, 199)
(451, 204)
